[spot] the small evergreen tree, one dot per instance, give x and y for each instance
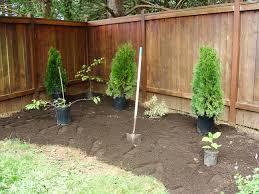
(207, 98)
(52, 80)
(122, 80)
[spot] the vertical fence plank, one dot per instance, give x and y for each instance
(34, 76)
(256, 73)
(4, 63)
(235, 62)
(10, 31)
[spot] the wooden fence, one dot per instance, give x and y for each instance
(171, 42)
(24, 44)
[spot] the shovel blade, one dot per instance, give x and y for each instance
(134, 138)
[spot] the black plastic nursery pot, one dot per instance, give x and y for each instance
(205, 125)
(89, 95)
(63, 115)
(210, 157)
(119, 103)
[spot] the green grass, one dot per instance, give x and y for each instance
(25, 169)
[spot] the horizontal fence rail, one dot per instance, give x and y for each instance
(171, 42)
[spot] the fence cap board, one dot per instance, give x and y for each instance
(124, 19)
(58, 22)
(249, 6)
(27, 20)
(221, 8)
(191, 12)
(15, 20)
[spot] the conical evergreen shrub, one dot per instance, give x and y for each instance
(123, 76)
(52, 80)
(207, 98)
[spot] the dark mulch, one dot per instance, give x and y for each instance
(170, 149)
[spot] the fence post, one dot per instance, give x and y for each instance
(144, 67)
(235, 63)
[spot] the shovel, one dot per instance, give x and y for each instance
(133, 137)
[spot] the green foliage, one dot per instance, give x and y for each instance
(26, 169)
(209, 141)
(58, 103)
(248, 184)
(96, 99)
(23, 8)
(52, 80)
(122, 80)
(207, 98)
(80, 10)
(155, 108)
(85, 74)
(36, 104)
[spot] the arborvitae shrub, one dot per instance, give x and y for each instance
(122, 80)
(52, 80)
(207, 98)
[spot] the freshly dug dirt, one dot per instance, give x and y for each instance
(170, 149)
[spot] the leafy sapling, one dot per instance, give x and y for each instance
(86, 73)
(59, 103)
(209, 141)
(36, 104)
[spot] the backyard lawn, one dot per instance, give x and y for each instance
(32, 169)
(170, 151)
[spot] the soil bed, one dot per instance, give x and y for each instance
(170, 149)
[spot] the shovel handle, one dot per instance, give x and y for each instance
(137, 89)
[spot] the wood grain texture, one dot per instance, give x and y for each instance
(248, 70)
(24, 45)
(173, 49)
(105, 40)
(4, 67)
(256, 72)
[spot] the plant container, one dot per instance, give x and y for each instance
(63, 115)
(205, 125)
(89, 95)
(210, 157)
(119, 103)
